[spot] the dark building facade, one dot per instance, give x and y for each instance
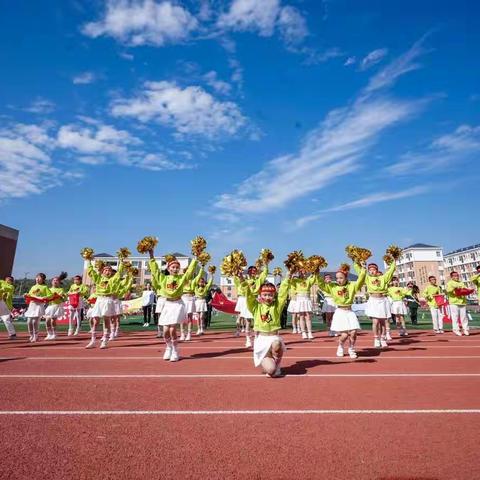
(8, 247)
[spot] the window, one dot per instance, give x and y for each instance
(438, 254)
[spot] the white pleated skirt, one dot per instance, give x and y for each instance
(378, 307)
(262, 345)
(189, 302)
(344, 320)
(54, 311)
(89, 314)
(328, 305)
(242, 309)
(160, 304)
(173, 313)
(4, 311)
(35, 309)
(303, 304)
(118, 306)
(104, 307)
(291, 305)
(398, 308)
(200, 305)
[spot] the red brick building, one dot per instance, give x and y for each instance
(8, 247)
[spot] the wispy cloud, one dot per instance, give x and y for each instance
(220, 86)
(189, 111)
(40, 106)
(84, 78)
(373, 58)
(333, 150)
(443, 152)
(363, 202)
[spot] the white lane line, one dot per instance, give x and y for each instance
(240, 375)
(249, 357)
(240, 412)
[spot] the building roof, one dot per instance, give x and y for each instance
(103, 255)
(421, 245)
(351, 276)
(464, 249)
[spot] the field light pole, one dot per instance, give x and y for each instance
(23, 283)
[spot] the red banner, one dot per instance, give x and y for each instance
(222, 303)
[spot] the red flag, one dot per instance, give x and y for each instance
(222, 303)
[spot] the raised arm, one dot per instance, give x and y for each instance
(251, 298)
(261, 278)
(197, 278)
(283, 293)
(324, 287)
(92, 272)
(362, 274)
(390, 272)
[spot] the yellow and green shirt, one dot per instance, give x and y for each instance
(267, 317)
(343, 295)
(397, 294)
(125, 286)
(429, 295)
(60, 292)
(476, 281)
(453, 299)
(39, 291)
(379, 284)
(171, 286)
(6, 292)
(303, 286)
(202, 292)
(253, 284)
(105, 286)
(82, 289)
(191, 285)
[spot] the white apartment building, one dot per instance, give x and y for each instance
(140, 262)
(463, 261)
(418, 262)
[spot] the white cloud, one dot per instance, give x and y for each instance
(334, 149)
(443, 152)
(211, 79)
(40, 106)
(366, 201)
(350, 61)
(156, 162)
(373, 58)
(143, 22)
(84, 78)
(190, 110)
(292, 25)
(26, 167)
(103, 139)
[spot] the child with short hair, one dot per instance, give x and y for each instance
(37, 296)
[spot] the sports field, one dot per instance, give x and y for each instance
(409, 412)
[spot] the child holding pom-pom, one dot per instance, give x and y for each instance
(55, 306)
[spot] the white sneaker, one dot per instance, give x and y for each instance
(199, 332)
(111, 337)
(352, 353)
(70, 332)
(294, 330)
(243, 330)
(91, 344)
(48, 337)
(117, 333)
(53, 336)
(30, 338)
(376, 342)
(331, 333)
(104, 343)
(389, 336)
(182, 337)
(339, 351)
(383, 343)
(405, 333)
(248, 342)
(304, 335)
(168, 353)
(278, 372)
(76, 333)
(441, 331)
(174, 356)
(145, 324)
(159, 335)
(310, 336)
(466, 332)
(35, 338)
(188, 337)
(457, 332)
(437, 331)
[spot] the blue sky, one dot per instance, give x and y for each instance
(282, 124)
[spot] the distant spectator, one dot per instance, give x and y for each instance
(148, 299)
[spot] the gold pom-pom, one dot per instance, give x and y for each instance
(234, 263)
(295, 261)
(358, 254)
(315, 263)
(394, 251)
(258, 263)
(199, 244)
(388, 259)
(87, 253)
(170, 258)
(212, 269)
(345, 267)
(146, 244)
(134, 271)
(266, 256)
(204, 258)
(99, 265)
(124, 252)
(277, 271)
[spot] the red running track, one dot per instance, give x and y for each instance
(386, 415)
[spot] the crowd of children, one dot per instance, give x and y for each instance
(181, 304)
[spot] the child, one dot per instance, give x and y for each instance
(303, 304)
(475, 279)
(201, 292)
(378, 306)
(7, 289)
(77, 293)
(398, 307)
(429, 294)
(123, 288)
(55, 306)
(188, 298)
(36, 308)
(291, 310)
(344, 320)
(173, 311)
(106, 285)
(328, 307)
(268, 347)
(457, 298)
